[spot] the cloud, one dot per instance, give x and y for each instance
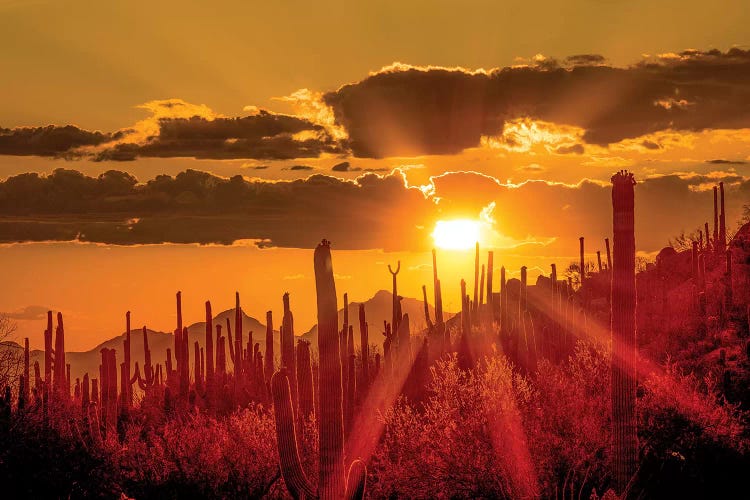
(263, 135)
(370, 212)
(176, 128)
(198, 207)
(532, 167)
(574, 149)
(345, 166)
(585, 60)
(407, 110)
(300, 167)
(48, 141)
(726, 162)
(28, 313)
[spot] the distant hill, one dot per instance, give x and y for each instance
(377, 308)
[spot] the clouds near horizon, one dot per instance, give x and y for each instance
(371, 211)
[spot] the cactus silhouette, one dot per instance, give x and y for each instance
(304, 380)
(623, 368)
(332, 481)
(288, 356)
(396, 317)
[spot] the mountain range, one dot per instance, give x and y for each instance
(378, 309)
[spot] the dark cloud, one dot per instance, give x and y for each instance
(28, 313)
(412, 111)
(48, 141)
(260, 167)
(585, 59)
(650, 145)
(300, 167)
(261, 136)
(726, 162)
(345, 166)
(197, 207)
(372, 211)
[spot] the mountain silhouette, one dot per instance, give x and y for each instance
(377, 308)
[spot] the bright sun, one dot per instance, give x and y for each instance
(458, 234)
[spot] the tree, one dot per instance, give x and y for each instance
(11, 354)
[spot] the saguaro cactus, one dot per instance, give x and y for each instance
(722, 220)
(127, 389)
(209, 347)
(364, 343)
(716, 219)
(85, 390)
(48, 354)
(475, 308)
(609, 254)
(427, 319)
(238, 361)
(481, 291)
(490, 299)
(26, 375)
(288, 357)
(61, 379)
(708, 238)
(438, 292)
(269, 347)
(396, 311)
(332, 484)
(304, 380)
(582, 264)
(623, 367)
(504, 327)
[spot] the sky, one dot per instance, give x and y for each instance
(240, 133)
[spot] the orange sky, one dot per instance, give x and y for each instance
(540, 102)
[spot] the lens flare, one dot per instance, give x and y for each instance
(458, 234)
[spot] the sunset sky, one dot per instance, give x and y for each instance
(365, 123)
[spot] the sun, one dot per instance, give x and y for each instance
(457, 234)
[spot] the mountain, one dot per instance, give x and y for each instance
(377, 308)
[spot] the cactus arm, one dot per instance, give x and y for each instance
(136, 375)
(291, 465)
(355, 481)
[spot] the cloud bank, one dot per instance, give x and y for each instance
(405, 110)
(371, 211)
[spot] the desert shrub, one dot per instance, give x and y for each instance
(568, 422)
(694, 444)
(50, 460)
(466, 441)
(197, 455)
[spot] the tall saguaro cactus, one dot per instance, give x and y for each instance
(269, 356)
(332, 484)
(396, 307)
(288, 357)
(722, 221)
(623, 367)
(364, 343)
(716, 219)
(61, 379)
(438, 293)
